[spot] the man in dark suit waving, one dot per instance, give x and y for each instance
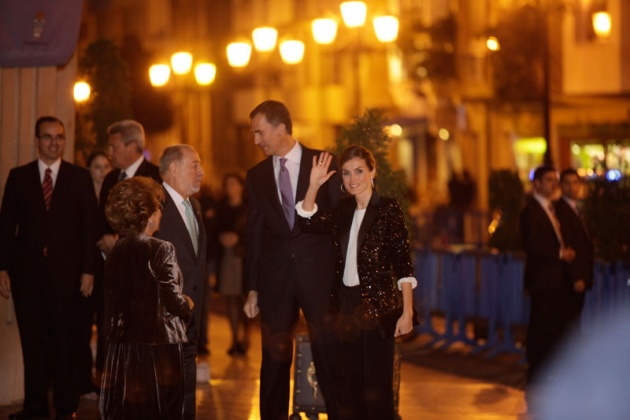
(285, 269)
(182, 225)
(46, 263)
(545, 281)
(577, 236)
(126, 142)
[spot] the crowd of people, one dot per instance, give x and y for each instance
(129, 247)
(126, 246)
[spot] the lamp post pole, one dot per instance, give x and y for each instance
(547, 108)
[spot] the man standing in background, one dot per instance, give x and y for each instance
(46, 264)
(126, 141)
(577, 236)
(544, 277)
(182, 225)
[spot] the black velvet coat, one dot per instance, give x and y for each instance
(143, 293)
(383, 250)
(145, 313)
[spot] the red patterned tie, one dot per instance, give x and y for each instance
(47, 187)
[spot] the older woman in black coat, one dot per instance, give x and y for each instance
(373, 267)
(145, 311)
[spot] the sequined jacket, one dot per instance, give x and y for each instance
(382, 250)
(143, 293)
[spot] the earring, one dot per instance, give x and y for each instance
(150, 223)
(342, 189)
(372, 181)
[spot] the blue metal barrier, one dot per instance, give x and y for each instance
(459, 275)
(489, 300)
(513, 308)
(477, 285)
(426, 294)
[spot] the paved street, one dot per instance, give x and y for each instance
(436, 384)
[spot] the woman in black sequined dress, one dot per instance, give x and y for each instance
(373, 291)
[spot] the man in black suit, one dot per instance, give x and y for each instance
(46, 263)
(577, 236)
(182, 225)
(545, 281)
(285, 269)
(126, 141)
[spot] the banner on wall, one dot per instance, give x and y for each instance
(38, 33)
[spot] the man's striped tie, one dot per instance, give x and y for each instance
(47, 187)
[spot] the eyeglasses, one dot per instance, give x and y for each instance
(48, 137)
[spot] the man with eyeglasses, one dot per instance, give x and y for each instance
(126, 146)
(46, 265)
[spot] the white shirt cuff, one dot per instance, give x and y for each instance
(411, 280)
(304, 213)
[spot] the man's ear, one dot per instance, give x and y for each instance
(172, 167)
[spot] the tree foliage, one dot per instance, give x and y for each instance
(506, 193)
(518, 67)
(103, 68)
(152, 107)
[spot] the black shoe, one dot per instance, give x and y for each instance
(67, 416)
(28, 415)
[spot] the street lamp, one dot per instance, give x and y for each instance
(82, 91)
(324, 31)
(205, 73)
(159, 74)
(601, 24)
(238, 53)
(386, 28)
(353, 13)
(292, 51)
(181, 62)
(265, 38)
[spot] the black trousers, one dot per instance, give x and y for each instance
(279, 317)
(50, 321)
(367, 356)
(548, 324)
(189, 352)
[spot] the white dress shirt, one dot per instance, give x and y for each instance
(54, 170)
(546, 205)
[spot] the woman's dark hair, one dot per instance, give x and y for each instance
(94, 155)
(130, 204)
(356, 151)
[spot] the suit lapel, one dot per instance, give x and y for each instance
(368, 220)
(270, 187)
(305, 174)
(543, 214)
(36, 184)
(141, 171)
